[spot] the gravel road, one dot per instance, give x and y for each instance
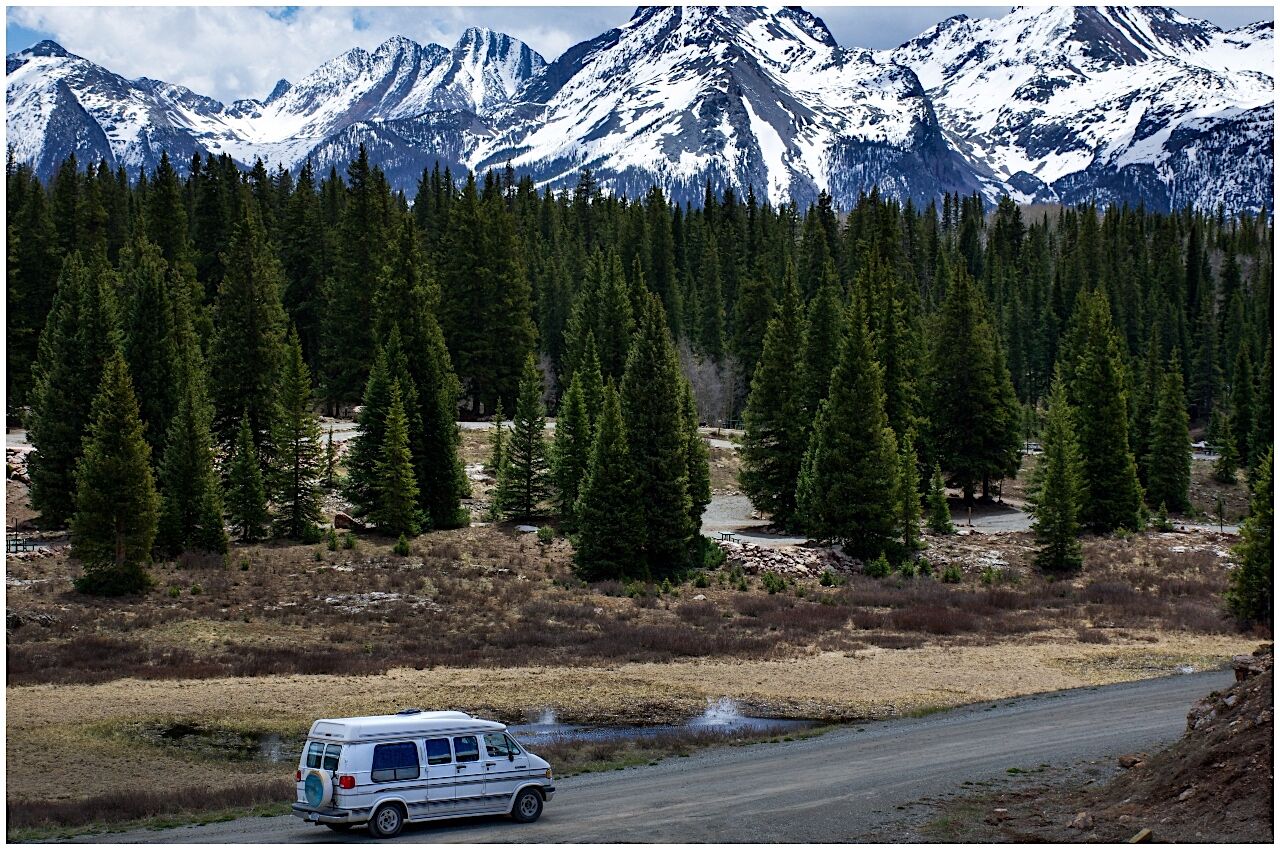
(835, 787)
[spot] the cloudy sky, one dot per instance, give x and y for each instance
(231, 52)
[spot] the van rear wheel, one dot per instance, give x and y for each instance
(527, 807)
(387, 821)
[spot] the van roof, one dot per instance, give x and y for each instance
(379, 726)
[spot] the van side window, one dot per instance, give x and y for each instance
(393, 762)
(495, 744)
(467, 748)
(438, 751)
(315, 752)
(331, 753)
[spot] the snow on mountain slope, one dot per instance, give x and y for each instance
(741, 95)
(1065, 104)
(1041, 95)
(59, 103)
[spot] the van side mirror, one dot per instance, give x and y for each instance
(511, 756)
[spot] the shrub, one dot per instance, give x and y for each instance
(244, 565)
(175, 592)
(546, 534)
(311, 534)
(773, 582)
(830, 579)
(907, 569)
(402, 546)
(701, 580)
(952, 574)
(348, 541)
(924, 568)
(331, 539)
(879, 568)
(666, 589)
(713, 556)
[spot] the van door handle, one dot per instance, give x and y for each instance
(459, 767)
(490, 763)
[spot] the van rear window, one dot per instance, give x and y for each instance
(438, 751)
(392, 762)
(323, 756)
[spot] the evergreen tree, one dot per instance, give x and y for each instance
(848, 487)
(191, 505)
(1098, 397)
(396, 510)
(246, 492)
(151, 340)
(939, 511)
(656, 432)
(1169, 470)
(1249, 596)
(296, 456)
(247, 348)
(497, 441)
(974, 417)
(697, 465)
(1058, 489)
(1242, 404)
(610, 536)
(775, 437)
(823, 331)
(116, 503)
(909, 493)
(572, 450)
(81, 336)
(524, 480)
(367, 446)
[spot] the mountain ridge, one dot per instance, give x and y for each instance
(1137, 104)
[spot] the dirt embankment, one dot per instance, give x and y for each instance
(1215, 784)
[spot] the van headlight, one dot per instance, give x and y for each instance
(548, 772)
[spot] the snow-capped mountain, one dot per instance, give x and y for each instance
(741, 95)
(60, 103)
(1069, 103)
(1117, 103)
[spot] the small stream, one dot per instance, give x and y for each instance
(722, 715)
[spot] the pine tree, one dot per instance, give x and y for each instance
(697, 466)
(116, 503)
(396, 510)
(247, 348)
(1250, 597)
(497, 441)
(571, 456)
(80, 337)
(1098, 397)
(775, 429)
(370, 439)
(974, 417)
(823, 331)
(296, 455)
(939, 511)
(656, 431)
(1242, 404)
(609, 539)
(191, 505)
(246, 492)
(1228, 462)
(1058, 489)
(848, 485)
(909, 493)
(1169, 469)
(524, 481)
(151, 340)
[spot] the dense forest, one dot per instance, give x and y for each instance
(189, 329)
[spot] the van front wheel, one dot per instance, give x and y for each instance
(528, 806)
(387, 821)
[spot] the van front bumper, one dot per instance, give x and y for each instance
(329, 815)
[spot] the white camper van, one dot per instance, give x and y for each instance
(415, 766)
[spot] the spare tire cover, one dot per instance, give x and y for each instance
(318, 788)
